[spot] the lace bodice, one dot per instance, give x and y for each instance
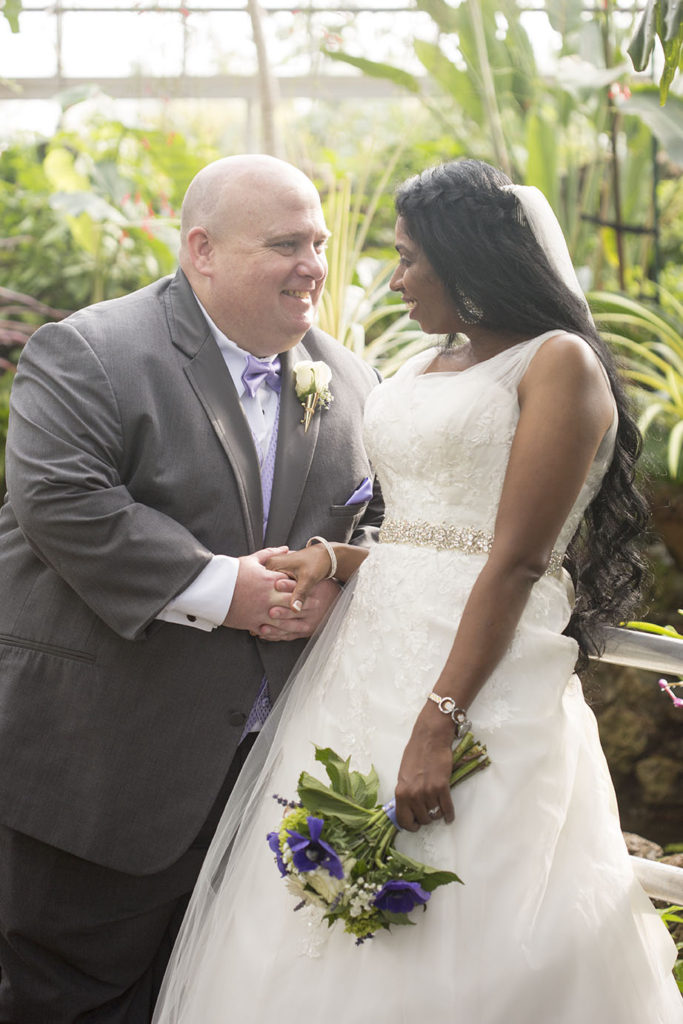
(440, 442)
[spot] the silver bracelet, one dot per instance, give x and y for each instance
(328, 547)
(447, 706)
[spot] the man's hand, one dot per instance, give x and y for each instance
(285, 623)
(255, 591)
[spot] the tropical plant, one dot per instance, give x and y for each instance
(358, 307)
(672, 916)
(11, 10)
(572, 131)
(649, 339)
(92, 214)
(661, 19)
(20, 315)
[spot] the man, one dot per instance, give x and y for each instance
(141, 636)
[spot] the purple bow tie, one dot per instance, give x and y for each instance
(259, 370)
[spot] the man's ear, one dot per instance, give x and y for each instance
(200, 249)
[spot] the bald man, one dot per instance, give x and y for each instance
(156, 456)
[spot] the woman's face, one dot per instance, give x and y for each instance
(421, 288)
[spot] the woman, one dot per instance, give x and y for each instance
(502, 459)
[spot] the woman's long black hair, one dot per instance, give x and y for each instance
(476, 238)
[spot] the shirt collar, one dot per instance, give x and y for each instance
(234, 356)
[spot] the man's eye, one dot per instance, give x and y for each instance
(321, 246)
(286, 244)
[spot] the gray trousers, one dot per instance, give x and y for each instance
(83, 944)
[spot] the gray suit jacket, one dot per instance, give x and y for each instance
(129, 463)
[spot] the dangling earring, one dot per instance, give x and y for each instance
(469, 311)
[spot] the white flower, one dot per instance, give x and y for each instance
(326, 885)
(311, 377)
(297, 887)
(311, 381)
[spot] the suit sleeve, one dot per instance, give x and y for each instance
(367, 531)
(64, 453)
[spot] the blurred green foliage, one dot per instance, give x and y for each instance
(90, 215)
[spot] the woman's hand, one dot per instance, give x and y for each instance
(308, 567)
(424, 775)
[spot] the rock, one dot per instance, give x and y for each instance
(673, 858)
(640, 847)
(624, 735)
(658, 778)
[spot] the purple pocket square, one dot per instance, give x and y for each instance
(362, 493)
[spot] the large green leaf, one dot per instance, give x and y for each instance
(60, 168)
(97, 208)
(361, 788)
(448, 19)
(672, 13)
(378, 70)
(320, 799)
(663, 18)
(640, 47)
(541, 169)
(565, 16)
(456, 83)
(12, 9)
(665, 123)
(674, 449)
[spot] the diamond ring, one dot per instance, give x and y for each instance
(434, 812)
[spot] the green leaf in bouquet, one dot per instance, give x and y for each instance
(361, 788)
(428, 877)
(387, 918)
(320, 799)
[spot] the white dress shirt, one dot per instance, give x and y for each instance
(206, 602)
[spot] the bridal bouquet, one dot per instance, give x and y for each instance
(334, 848)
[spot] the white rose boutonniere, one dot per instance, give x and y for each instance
(311, 381)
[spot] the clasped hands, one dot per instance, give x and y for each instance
(281, 595)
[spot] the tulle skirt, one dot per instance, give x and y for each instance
(549, 925)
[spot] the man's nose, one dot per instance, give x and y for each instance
(314, 265)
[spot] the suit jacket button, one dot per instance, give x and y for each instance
(237, 718)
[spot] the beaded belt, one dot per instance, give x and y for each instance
(442, 537)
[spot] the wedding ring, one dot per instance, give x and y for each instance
(434, 812)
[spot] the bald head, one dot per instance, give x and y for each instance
(221, 192)
(253, 238)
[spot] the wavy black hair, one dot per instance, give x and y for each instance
(476, 238)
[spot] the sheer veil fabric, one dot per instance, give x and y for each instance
(254, 786)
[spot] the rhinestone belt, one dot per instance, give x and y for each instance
(442, 537)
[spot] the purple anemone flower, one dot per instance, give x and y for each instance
(400, 897)
(309, 854)
(274, 843)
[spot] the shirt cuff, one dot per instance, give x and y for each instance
(205, 603)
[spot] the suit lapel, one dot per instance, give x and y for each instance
(295, 450)
(212, 383)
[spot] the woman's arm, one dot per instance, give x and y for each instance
(311, 565)
(565, 409)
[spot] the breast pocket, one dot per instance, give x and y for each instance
(345, 519)
(357, 509)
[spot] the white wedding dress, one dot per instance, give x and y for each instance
(550, 925)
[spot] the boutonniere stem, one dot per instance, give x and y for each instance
(311, 381)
